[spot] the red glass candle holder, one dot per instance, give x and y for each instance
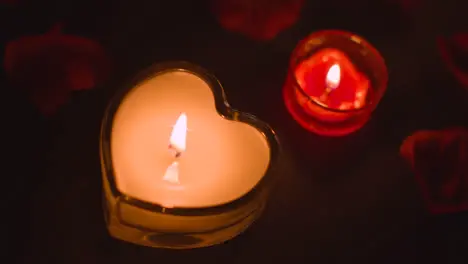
(335, 81)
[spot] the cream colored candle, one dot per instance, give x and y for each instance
(170, 147)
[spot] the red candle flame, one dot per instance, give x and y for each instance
(334, 76)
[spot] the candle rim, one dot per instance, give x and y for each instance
(223, 109)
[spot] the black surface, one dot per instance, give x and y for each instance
(340, 200)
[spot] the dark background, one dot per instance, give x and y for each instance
(340, 200)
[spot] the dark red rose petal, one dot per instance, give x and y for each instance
(461, 40)
(407, 5)
(9, 2)
(258, 19)
(454, 52)
(48, 67)
(439, 160)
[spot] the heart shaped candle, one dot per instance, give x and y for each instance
(181, 168)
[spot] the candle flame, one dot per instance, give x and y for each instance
(333, 76)
(179, 134)
(172, 173)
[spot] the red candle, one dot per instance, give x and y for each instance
(330, 80)
(326, 92)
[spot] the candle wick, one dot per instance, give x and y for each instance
(327, 92)
(177, 152)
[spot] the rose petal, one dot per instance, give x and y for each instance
(9, 2)
(454, 53)
(258, 19)
(461, 40)
(439, 160)
(407, 5)
(48, 67)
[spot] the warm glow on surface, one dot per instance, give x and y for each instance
(179, 133)
(333, 76)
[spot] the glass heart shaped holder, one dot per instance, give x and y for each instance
(180, 167)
